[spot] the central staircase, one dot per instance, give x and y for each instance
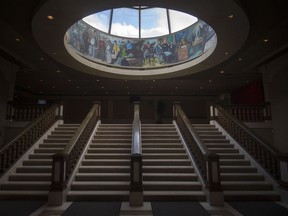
(167, 170)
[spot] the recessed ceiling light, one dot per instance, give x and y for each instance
(41, 80)
(78, 87)
(231, 16)
(41, 58)
(176, 87)
(97, 80)
(58, 71)
(154, 80)
(17, 39)
(69, 80)
(222, 71)
(266, 40)
(50, 17)
(226, 53)
(102, 87)
(210, 81)
(239, 59)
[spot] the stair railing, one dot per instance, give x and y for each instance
(206, 161)
(136, 183)
(11, 152)
(64, 163)
(264, 153)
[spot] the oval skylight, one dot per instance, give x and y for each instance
(141, 22)
(140, 39)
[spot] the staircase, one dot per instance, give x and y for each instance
(32, 177)
(104, 173)
(240, 180)
(167, 170)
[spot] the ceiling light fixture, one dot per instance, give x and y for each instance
(50, 17)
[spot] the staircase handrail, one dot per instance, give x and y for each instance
(207, 162)
(11, 152)
(136, 182)
(64, 162)
(263, 152)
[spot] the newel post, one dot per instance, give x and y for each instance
(59, 112)
(214, 187)
(57, 194)
(175, 103)
(136, 183)
(213, 112)
(283, 163)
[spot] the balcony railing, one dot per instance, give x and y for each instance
(24, 112)
(250, 113)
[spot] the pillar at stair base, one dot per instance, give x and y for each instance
(215, 198)
(56, 198)
(136, 198)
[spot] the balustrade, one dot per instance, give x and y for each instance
(64, 163)
(207, 162)
(24, 112)
(250, 113)
(10, 153)
(266, 155)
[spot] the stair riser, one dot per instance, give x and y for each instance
(105, 163)
(167, 170)
(170, 178)
(156, 140)
(104, 170)
(166, 163)
(171, 187)
(37, 163)
(25, 187)
(175, 150)
(85, 187)
(101, 156)
(244, 187)
(107, 151)
(102, 178)
(29, 178)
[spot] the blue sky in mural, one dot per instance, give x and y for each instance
(154, 22)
